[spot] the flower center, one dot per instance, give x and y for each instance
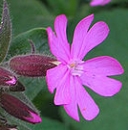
(76, 67)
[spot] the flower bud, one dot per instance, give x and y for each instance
(7, 78)
(18, 109)
(31, 65)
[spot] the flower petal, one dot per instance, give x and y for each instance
(103, 65)
(100, 84)
(71, 108)
(88, 107)
(58, 78)
(80, 97)
(58, 43)
(99, 2)
(79, 34)
(95, 36)
(96, 72)
(60, 25)
(54, 76)
(62, 95)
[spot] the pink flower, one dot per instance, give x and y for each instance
(99, 2)
(72, 72)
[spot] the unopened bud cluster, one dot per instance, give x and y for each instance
(27, 65)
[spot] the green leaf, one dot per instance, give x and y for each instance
(28, 14)
(21, 45)
(5, 32)
(33, 86)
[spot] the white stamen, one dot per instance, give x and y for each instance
(56, 62)
(76, 67)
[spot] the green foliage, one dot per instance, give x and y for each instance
(67, 7)
(5, 32)
(28, 14)
(49, 124)
(21, 44)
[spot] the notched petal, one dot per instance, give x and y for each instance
(102, 85)
(86, 104)
(103, 65)
(79, 35)
(95, 36)
(58, 42)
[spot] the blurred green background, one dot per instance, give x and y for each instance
(29, 14)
